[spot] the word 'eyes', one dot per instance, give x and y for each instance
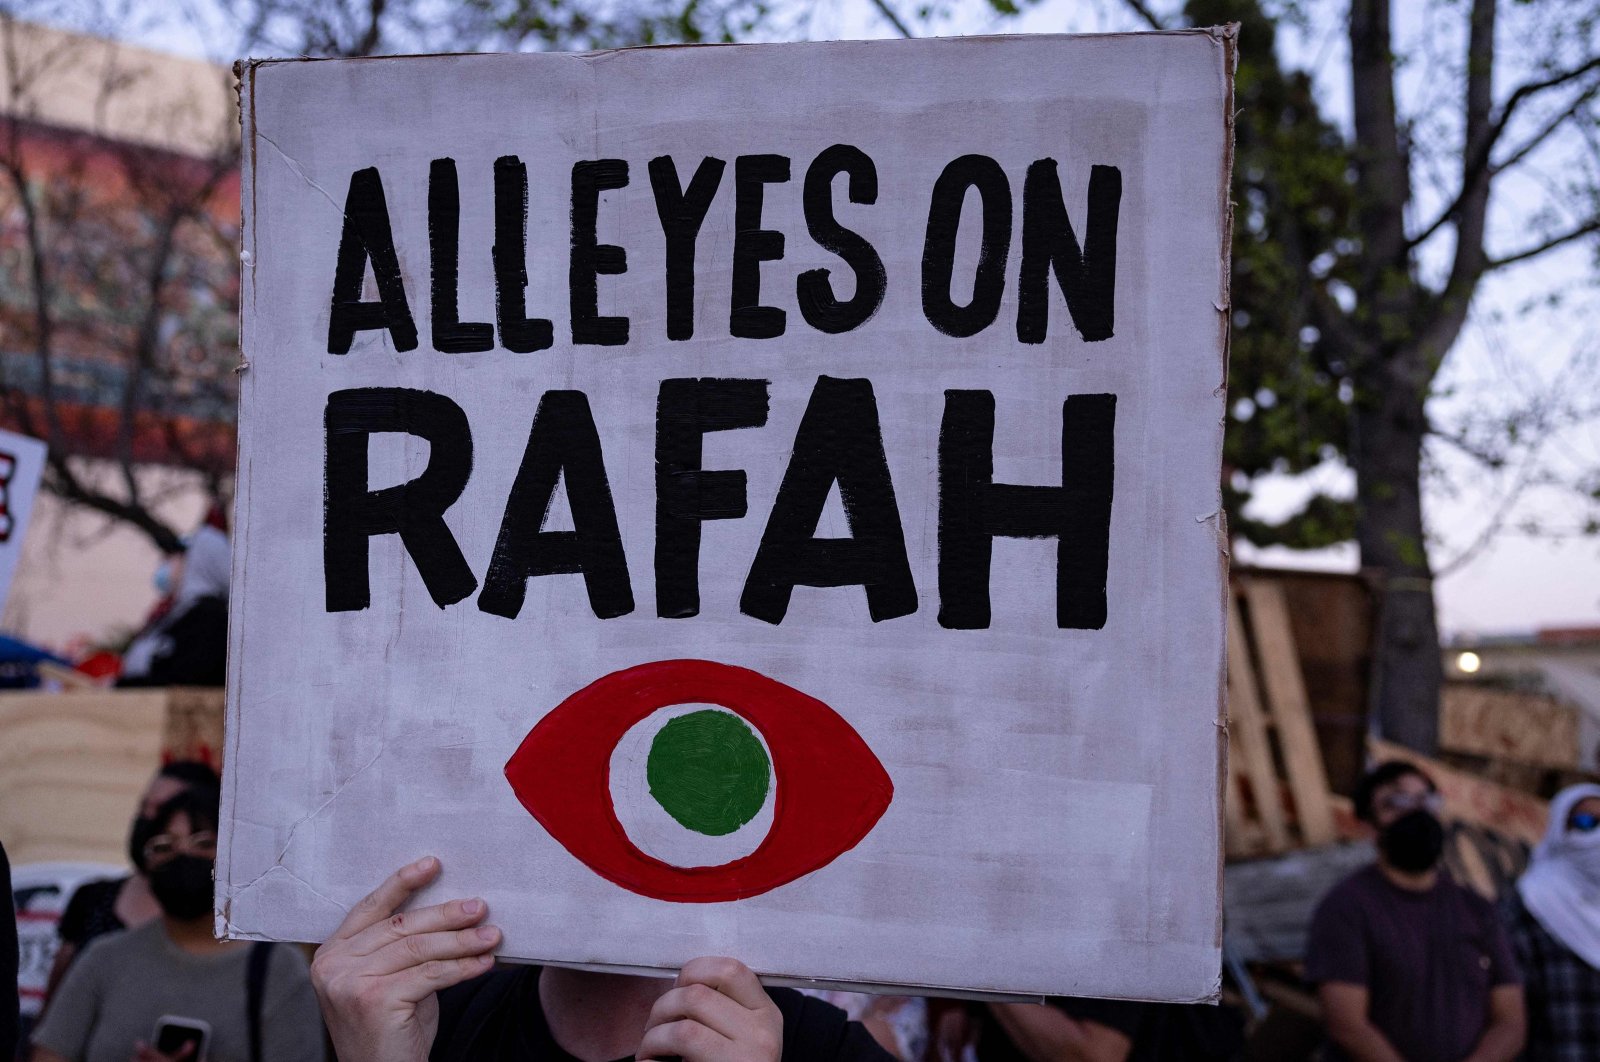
(772, 752)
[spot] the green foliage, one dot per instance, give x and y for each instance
(563, 24)
(1294, 214)
(1321, 521)
(378, 27)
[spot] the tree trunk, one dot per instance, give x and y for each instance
(1386, 454)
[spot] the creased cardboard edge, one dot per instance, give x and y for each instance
(1227, 37)
(222, 899)
(1230, 31)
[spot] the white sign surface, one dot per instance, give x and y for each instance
(21, 467)
(745, 500)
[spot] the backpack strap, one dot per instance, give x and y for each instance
(255, 989)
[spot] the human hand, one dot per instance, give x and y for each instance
(378, 976)
(143, 1052)
(716, 1012)
(951, 1028)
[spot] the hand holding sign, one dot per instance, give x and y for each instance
(378, 976)
(716, 1012)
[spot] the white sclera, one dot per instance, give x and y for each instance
(647, 823)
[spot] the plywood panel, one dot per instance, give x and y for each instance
(1248, 723)
(1332, 617)
(1291, 713)
(1507, 725)
(72, 766)
(194, 725)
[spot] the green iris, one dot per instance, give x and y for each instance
(708, 771)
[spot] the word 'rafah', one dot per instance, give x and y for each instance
(1086, 274)
(839, 440)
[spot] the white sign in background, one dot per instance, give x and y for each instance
(21, 467)
(1054, 819)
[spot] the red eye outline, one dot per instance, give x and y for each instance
(831, 788)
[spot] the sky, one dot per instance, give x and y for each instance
(1509, 581)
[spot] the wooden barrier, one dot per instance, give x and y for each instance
(1277, 794)
(193, 728)
(1506, 725)
(1333, 620)
(73, 765)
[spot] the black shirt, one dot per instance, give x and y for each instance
(1429, 961)
(91, 913)
(498, 1016)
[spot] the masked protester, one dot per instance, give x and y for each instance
(107, 906)
(1554, 918)
(254, 1001)
(1408, 964)
(185, 641)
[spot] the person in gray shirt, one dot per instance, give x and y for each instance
(107, 1008)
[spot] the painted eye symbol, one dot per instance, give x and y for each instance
(713, 772)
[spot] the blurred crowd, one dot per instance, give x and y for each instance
(1408, 966)
(181, 641)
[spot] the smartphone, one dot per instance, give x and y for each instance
(174, 1033)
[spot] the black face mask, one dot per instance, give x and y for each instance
(143, 829)
(1413, 842)
(182, 886)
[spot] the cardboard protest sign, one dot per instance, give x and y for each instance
(748, 500)
(21, 467)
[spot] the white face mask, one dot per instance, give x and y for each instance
(1581, 851)
(1561, 888)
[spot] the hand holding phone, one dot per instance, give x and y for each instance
(176, 1039)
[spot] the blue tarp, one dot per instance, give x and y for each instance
(13, 651)
(19, 663)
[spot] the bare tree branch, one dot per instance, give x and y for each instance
(104, 271)
(893, 19)
(1486, 457)
(1478, 160)
(1522, 93)
(1586, 229)
(374, 31)
(64, 483)
(1144, 12)
(1546, 131)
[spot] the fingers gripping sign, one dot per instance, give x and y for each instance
(379, 974)
(717, 1011)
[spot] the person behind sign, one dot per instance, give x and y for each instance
(186, 644)
(1410, 966)
(414, 985)
(1555, 929)
(110, 905)
(256, 999)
